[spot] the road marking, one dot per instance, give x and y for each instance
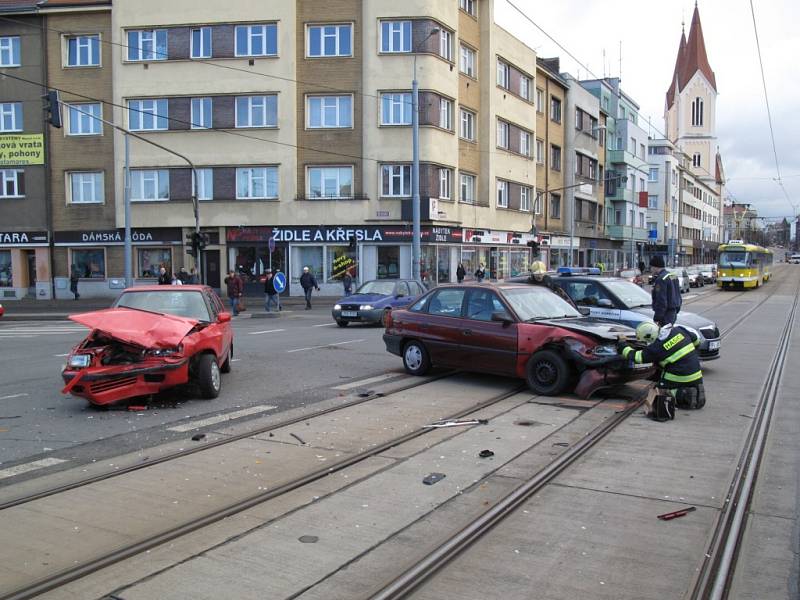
(324, 346)
(31, 466)
(325, 325)
(221, 418)
(235, 359)
(13, 396)
(265, 331)
(355, 384)
(59, 355)
(688, 296)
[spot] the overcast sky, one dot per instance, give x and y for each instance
(650, 32)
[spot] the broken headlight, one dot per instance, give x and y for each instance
(161, 352)
(79, 361)
(605, 350)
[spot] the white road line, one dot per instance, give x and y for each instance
(355, 384)
(324, 346)
(60, 355)
(253, 410)
(31, 466)
(265, 331)
(235, 359)
(13, 396)
(325, 325)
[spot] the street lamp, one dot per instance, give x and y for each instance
(415, 216)
(572, 205)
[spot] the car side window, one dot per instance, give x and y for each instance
(212, 306)
(586, 293)
(401, 289)
(446, 303)
(482, 303)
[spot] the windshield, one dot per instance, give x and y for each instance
(382, 288)
(536, 303)
(169, 302)
(630, 294)
(737, 258)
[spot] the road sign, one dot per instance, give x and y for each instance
(279, 281)
(272, 244)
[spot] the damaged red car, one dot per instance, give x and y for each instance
(513, 330)
(153, 338)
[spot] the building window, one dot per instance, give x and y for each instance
(539, 100)
(257, 111)
(653, 174)
(329, 40)
(204, 190)
(149, 185)
(641, 151)
(395, 180)
(467, 62)
(84, 119)
(83, 51)
(9, 51)
(652, 201)
(502, 194)
(257, 40)
(86, 188)
(525, 143)
(540, 152)
(329, 112)
(395, 36)
(502, 134)
(201, 43)
(467, 125)
(10, 116)
(525, 87)
(445, 184)
(201, 113)
(503, 74)
(148, 115)
(697, 112)
(632, 146)
(89, 262)
(446, 44)
(525, 198)
(150, 260)
(467, 188)
(445, 114)
(696, 159)
(578, 119)
(555, 109)
(468, 6)
(12, 183)
(641, 220)
(396, 108)
(330, 182)
(555, 206)
(256, 183)
(555, 157)
(147, 44)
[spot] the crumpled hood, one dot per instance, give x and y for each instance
(688, 319)
(596, 327)
(145, 329)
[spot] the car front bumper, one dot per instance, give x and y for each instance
(358, 316)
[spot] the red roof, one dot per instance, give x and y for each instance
(691, 58)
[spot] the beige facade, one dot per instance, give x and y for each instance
(550, 132)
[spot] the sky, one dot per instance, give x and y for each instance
(650, 31)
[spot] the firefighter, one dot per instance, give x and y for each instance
(666, 293)
(539, 276)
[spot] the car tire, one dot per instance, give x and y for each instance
(384, 317)
(341, 323)
(226, 366)
(208, 376)
(415, 358)
(547, 373)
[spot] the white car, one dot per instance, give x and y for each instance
(795, 259)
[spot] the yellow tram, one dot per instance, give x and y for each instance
(743, 265)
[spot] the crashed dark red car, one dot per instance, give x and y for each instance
(514, 330)
(153, 338)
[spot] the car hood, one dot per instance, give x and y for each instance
(596, 327)
(145, 329)
(362, 299)
(689, 319)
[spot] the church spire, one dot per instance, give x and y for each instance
(696, 58)
(676, 72)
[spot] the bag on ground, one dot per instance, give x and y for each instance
(663, 408)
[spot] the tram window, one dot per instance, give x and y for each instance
(734, 259)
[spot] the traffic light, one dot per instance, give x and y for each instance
(203, 239)
(191, 249)
(53, 107)
(534, 245)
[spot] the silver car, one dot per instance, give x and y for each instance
(683, 278)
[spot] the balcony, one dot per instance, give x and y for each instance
(588, 229)
(626, 232)
(623, 156)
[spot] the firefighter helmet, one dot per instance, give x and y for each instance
(647, 332)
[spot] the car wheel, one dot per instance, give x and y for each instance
(226, 366)
(547, 373)
(341, 323)
(208, 376)
(415, 358)
(385, 317)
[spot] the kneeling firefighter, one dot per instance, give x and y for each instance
(673, 349)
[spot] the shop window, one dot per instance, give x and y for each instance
(443, 271)
(518, 262)
(150, 260)
(90, 262)
(388, 262)
(427, 267)
(6, 279)
(341, 260)
(307, 256)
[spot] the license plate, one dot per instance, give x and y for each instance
(713, 345)
(349, 313)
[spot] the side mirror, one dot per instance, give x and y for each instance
(584, 310)
(223, 317)
(605, 303)
(501, 317)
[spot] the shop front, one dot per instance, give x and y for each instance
(594, 252)
(503, 254)
(24, 265)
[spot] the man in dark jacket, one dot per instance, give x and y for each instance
(74, 278)
(235, 288)
(347, 283)
(164, 278)
(308, 283)
(461, 272)
(666, 293)
(270, 291)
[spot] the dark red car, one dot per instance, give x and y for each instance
(152, 339)
(514, 330)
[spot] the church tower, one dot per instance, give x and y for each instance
(690, 108)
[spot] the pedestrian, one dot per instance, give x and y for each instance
(234, 287)
(271, 294)
(539, 276)
(641, 266)
(74, 278)
(164, 278)
(681, 379)
(347, 283)
(183, 275)
(176, 280)
(480, 273)
(461, 272)
(308, 283)
(193, 278)
(602, 267)
(666, 293)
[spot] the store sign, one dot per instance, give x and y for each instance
(23, 238)
(559, 241)
(21, 149)
(117, 236)
(343, 234)
(494, 238)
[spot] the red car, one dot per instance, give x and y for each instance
(153, 338)
(514, 330)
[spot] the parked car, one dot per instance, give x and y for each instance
(151, 339)
(794, 259)
(622, 302)
(695, 277)
(633, 275)
(374, 299)
(516, 330)
(709, 273)
(683, 278)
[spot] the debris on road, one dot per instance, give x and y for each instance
(678, 513)
(298, 438)
(485, 453)
(198, 436)
(433, 478)
(455, 423)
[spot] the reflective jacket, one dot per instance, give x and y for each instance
(673, 351)
(666, 295)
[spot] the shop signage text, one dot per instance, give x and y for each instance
(323, 234)
(339, 234)
(18, 150)
(22, 238)
(117, 236)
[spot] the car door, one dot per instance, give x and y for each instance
(218, 334)
(488, 345)
(402, 295)
(441, 328)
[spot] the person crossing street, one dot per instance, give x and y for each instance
(270, 292)
(309, 283)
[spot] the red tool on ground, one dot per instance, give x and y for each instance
(678, 513)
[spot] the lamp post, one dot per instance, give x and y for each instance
(415, 209)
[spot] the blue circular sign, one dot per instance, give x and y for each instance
(279, 281)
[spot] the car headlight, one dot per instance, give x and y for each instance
(366, 307)
(575, 345)
(605, 350)
(79, 361)
(165, 351)
(337, 307)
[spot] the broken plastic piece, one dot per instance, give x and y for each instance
(485, 453)
(433, 478)
(678, 513)
(136, 408)
(454, 423)
(297, 437)
(308, 539)
(198, 436)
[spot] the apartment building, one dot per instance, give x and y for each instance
(663, 192)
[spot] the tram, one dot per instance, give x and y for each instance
(743, 265)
